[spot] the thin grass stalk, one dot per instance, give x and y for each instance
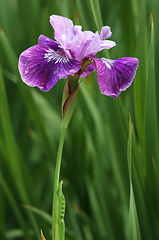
(56, 185)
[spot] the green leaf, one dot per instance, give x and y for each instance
(127, 24)
(11, 147)
(134, 230)
(24, 90)
(150, 135)
(140, 81)
(40, 212)
(97, 14)
(6, 189)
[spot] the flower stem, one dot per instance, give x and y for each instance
(56, 184)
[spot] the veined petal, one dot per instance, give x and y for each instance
(125, 71)
(41, 66)
(91, 68)
(117, 75)
(91, 47)
(45, 41)
(61, 26)
(105, 32)
(107, 44)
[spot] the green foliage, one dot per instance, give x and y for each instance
(110, 175)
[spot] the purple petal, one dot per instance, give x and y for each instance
(61, 26)
(91, 68)
(45, 41)
(78, 46)
(115, 75)
(91, 47)
(105, 32)
(107, 44)
(41, 66)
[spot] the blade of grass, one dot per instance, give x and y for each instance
(14, 205)
(150, 118)
(99, 187)
(48, 219)
(97, 14)
(138, 173)
(141, 75)
(150, 148)
(24, 90)
(134, 230)
(95, 208)
(11, 148)
(83, 17)
(73, 219)
(16, 234)
(51, 118)
(95, 6)
(127, 21)
(93, 110)
(156, 193)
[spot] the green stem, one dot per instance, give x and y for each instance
(56, 184)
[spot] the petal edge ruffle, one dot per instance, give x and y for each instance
(105, 32)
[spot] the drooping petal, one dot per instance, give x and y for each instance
(115, 76)
(45, 41)
(41, 66)
(125, 71)
(91, 68)
(105, 32)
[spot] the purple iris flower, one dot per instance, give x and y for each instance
(45, 63)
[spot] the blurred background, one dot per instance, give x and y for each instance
(110, 174)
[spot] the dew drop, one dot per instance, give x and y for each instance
(26, 70)
(28, 51)
(41, 87)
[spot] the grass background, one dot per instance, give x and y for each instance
(110, 165)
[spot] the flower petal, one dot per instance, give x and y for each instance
(41, 66)
(115, 75)
(61, 26)
(105, 32)
(45, 41)
(107, 44)
(91, 68)
(78, 42)
(91, 47)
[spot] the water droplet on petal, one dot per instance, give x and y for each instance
(72, 71)
(41, 87)
(26, 70)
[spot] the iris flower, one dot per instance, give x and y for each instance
(44, 64)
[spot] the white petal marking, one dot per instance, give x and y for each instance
(50, 55)
(107, 62)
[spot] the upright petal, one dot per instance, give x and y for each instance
(61, 26)
(45, 41)
(91, 47)
(41, 66)
(115, 76)
(105, 32)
